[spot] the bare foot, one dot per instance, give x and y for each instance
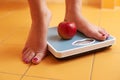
(85, 27)
(36, 44)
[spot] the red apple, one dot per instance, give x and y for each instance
(67, 30)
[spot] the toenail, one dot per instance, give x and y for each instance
(35, 59)
(103, 34)
(26, 62)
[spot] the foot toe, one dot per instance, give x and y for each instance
(104, 34)
(100, 36)
(27, 56)
(37, 59)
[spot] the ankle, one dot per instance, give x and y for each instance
(73, 16)
(41, 17)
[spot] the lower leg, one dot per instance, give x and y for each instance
(74, 14)
(36, 46)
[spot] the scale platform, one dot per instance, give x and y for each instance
(79, 44)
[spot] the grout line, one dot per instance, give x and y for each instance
(24, 75)
(7, 14)
(10, 73)
(7, 37)
(25, 72)
(93, 60)
(42, 77)
(100, 14)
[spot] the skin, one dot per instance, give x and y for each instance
(74, 14)
(36, 45)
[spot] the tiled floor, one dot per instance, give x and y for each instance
(15, 23)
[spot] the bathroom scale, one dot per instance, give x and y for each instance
(79, 44)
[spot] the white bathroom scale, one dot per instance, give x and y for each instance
(79, 44)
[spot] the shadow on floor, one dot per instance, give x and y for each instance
(51, 60)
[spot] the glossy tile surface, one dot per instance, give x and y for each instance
(107, 63)
(15, 24)
(6, 76)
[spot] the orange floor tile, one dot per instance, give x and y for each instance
(15, 24)
(107, 63)
(6, 76)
